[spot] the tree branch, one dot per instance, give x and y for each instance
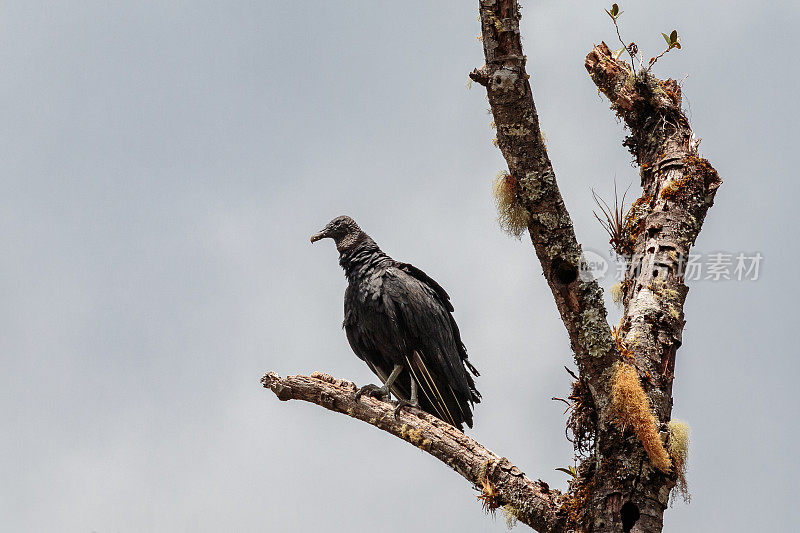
(579, 302)
(531, 502)
(678, 188)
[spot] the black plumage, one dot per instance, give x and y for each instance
(399, 321)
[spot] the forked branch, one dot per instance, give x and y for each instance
(617, 487)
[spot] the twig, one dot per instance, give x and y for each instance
(627, 49)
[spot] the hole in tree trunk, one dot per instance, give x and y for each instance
(630, 514)
(564, 272)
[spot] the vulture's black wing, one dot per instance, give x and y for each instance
(444, 298)
(436, 355)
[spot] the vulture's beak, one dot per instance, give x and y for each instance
(318, 236)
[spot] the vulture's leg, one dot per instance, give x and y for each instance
(414, 399)
(381, 392)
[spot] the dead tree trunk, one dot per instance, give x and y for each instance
(622, 397)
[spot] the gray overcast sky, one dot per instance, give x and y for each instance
(162, 165)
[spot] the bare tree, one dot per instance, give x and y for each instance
(632, 454)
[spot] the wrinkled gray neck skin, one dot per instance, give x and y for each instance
(359, 256)
(353, 238)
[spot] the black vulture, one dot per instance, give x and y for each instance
(399, 321)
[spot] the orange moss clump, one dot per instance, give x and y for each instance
(625, 352)
(700, 166)
(631, 408)
(698, 176)
(673, 190)
(634, 224)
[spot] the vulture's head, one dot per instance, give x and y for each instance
(343, 230)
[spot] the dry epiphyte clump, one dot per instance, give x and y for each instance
(614, 222)
(619, 338)
(582, 420)
(511, 215)
(489, 497)
(631, 408)
(678, 446)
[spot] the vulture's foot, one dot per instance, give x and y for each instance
(381, 393)
(403, 403)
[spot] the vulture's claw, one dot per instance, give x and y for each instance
(401, 404)
(381, 393)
